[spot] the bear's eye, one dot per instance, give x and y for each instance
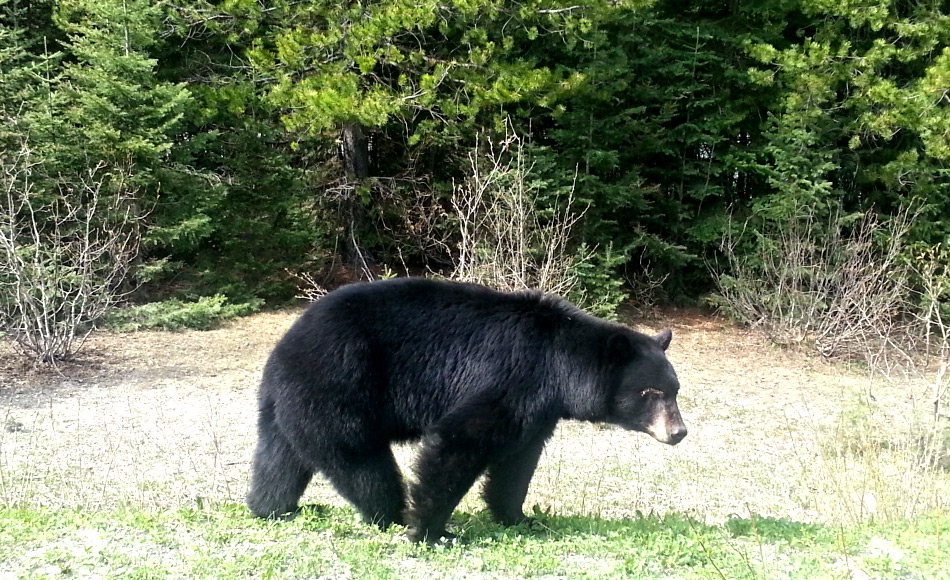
(652, 393)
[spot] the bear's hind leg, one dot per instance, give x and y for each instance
(371, 481)
(278, 477)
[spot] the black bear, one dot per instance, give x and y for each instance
(480, 376)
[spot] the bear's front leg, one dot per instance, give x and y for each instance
(509, 477)
(445, 470)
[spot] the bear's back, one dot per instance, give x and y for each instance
(418, 348)
(412, 308)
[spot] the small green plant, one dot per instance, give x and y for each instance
(202, 314)
(598, 289)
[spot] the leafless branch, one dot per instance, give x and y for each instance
(505, 242)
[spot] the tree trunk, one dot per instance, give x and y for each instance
(355, 151)
(356, 165)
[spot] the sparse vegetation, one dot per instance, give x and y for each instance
(840, 283)
(63, 261)
(847, 287)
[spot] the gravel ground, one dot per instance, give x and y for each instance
(166, 419)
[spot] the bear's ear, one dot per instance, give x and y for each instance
(664, 338)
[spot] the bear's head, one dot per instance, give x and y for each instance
(644, 399)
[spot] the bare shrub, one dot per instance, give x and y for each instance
(63, 255)
(505, 242)
(848, 287)
(645, 287)
(932, 269)
(840, 284)
(501, 229)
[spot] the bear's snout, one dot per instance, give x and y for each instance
(668, 427)
(668, 436)
(677, 435)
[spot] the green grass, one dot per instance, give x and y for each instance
(224, 542)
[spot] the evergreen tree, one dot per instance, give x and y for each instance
(29, 63)
(245, 214)
(659, 124)
(113, 110)
(275, 134)
(402, 87)
(861, 120)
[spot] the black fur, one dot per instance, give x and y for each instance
(480, 376)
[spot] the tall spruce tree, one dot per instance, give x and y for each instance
(657, 126)
(88, 140)
(113, 111)
(244, 217)
(29, 63)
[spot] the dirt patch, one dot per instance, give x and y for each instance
(167, 419)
